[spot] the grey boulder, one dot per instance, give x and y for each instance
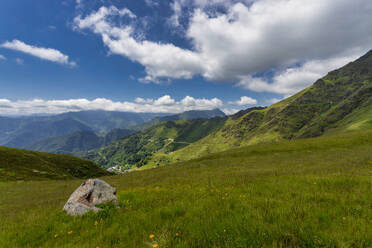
(91, 193)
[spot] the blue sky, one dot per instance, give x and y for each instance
(171, 56)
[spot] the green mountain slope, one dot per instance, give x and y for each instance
(188, 115)
(339, 102)
(77, 142)
(16, 164)
(165, 137)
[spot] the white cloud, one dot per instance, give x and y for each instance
(178, 7)
(230, 111)
(40, 52)
(2, 57)
(160, 60)
(273, 100)
(246, 39)
(164, 101)
(152, 3)
(142, 100)
(294, 79)
(245, 100)
(164, 104)
(19, 61)
(177, 12)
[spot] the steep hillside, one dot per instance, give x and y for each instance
(339, 102)
(16, 164)
(165, 137)
(77, 142)
(188, 115)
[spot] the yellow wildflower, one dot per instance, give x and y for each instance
(70, 232)
(177, 235)
(224, 230)
(96, 223)
(155, 245)
(55, 236)
(152, 236)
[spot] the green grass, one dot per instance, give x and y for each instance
(303, 193)
(138, 150)
(17, 164)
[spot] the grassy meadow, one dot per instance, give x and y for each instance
(302, 193)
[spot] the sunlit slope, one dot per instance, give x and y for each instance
(166, 137)
(339, 102)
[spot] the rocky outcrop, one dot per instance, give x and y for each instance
(90, 194)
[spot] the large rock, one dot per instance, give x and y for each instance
(91, 193)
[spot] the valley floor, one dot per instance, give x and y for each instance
(303, 193)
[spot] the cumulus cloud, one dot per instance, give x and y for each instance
(164, 104)
(245, 100)
(246, 39)
(142, 100)
(292, 80)
(160, 60)
(2, 57)
(49, 54)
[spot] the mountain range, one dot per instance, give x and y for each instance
(20, 132)
(188, 115)
(78, 141)
(73, 133)
(337, 103)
